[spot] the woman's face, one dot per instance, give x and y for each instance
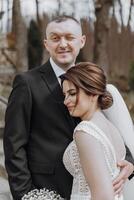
(79, 104)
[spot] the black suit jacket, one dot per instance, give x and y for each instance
(38, 128)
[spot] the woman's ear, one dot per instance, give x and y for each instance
(95, 98)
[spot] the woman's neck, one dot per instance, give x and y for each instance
(90, 115)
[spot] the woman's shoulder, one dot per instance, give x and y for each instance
(91, 129)
(86, 126)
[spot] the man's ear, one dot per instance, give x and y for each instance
(83, 41)
(45, 44)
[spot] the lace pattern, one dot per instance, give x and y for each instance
(109, 152)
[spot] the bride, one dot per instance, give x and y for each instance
(92, 156)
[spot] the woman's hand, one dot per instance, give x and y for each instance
(126, 170)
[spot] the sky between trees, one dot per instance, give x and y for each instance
(123, 10)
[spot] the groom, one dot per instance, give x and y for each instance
(38, 126)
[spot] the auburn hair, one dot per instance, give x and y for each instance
(92, 79)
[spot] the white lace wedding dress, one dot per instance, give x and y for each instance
(110, 141)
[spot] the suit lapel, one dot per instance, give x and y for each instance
(50, 79)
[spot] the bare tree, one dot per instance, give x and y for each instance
(20, 31)
(102, 27)
(1, 15)
(37, 12)
(8, 15)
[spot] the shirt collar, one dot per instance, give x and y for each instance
(58, 70)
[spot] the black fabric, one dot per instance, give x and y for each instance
(130, 159)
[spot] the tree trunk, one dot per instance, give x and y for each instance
(102, 27)
(20, 31)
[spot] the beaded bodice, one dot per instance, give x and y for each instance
(80, 189)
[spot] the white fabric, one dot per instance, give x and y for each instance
(119, 115)
(57, 70)
(5, 193)
(129, 190)
(80, 188)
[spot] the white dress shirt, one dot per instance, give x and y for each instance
(57, 70)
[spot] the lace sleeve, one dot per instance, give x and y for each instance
(108, 149)
(84, 126)
(93, 162)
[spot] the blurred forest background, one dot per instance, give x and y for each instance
(108, 25)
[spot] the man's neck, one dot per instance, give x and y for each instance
(62, 67)
(58, 70)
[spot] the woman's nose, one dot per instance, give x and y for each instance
(67, 100)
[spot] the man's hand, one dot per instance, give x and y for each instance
(126, 170)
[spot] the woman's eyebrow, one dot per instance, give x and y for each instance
(70, 90)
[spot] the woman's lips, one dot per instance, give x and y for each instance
(70, 108)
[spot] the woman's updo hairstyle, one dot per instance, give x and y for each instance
(91, 78)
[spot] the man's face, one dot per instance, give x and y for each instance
(64, 41)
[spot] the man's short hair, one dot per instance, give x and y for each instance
(63, 18)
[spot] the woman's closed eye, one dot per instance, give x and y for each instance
(72, 93)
